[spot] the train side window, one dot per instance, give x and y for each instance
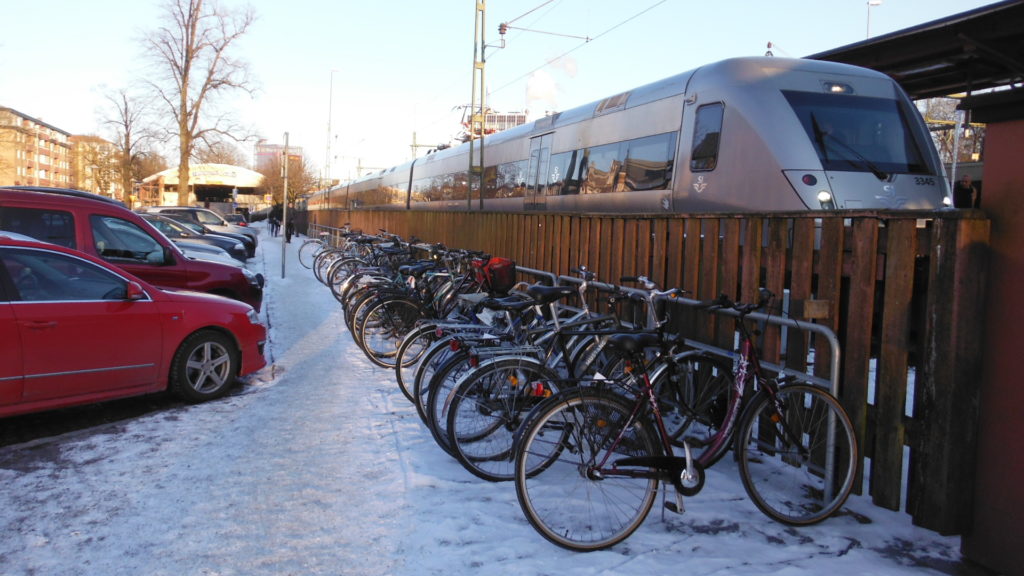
(604, 169)
(707, 133)
(565, 171)
(459, 186)
(649, 162)
(510, 181)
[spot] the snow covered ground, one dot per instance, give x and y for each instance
(318, 465)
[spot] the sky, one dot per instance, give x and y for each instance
(318, 465)
(356, 83)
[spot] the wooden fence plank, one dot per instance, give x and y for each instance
(891, 385)
(859, 325)
(752, 250)
(729, 278)
(801, 271)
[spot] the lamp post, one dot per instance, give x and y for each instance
(870, 4)
(330, 113)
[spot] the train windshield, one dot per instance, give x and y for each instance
(858, 133)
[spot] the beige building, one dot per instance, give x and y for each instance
(96, 166)
(32, 152)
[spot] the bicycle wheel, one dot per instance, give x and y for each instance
(410, 351)
(486, 409)
(439, 395)
(563, 496)
(694, 396)
(339, 270)
(797, 454)
(309, 249)
(383, 328)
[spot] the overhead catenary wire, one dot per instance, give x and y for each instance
(578, 46)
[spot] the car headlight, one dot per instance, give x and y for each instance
(253, 316)
(238, 246)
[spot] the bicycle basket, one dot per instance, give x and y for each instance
(500, 275)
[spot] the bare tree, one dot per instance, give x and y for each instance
(302, 178)
(953, 135)
(194, 52)
(132, 136)
(220, 153)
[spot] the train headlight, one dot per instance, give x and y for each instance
(837, 88)
(826, 200)
(947, 201)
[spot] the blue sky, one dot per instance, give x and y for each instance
(380, 71)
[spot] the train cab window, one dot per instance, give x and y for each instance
(706, 136)
(858, 133)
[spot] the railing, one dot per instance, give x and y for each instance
(903, 295)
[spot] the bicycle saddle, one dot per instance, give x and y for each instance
(633, 342)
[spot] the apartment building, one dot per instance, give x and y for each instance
(96, 166)
(32, 152)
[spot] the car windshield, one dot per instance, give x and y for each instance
(198, 229)
(209, 218)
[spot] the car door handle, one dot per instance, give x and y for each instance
(40, 324)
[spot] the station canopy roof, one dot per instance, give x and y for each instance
(963, 53)
(212, 175)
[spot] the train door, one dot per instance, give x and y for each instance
(696, 176)
(537, 173)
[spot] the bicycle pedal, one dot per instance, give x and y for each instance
(676, 506)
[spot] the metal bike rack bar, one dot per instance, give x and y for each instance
(832, 383)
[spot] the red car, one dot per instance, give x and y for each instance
(76, 330)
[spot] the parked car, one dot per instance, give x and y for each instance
(178, 233)
(78, 330)
(236, 219)
(208, 218)
(106, 229)
(206, 252)
(250, 246)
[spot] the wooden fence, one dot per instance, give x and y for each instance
(904, 295)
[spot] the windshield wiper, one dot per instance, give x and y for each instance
(820, 136)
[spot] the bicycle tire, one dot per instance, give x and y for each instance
(309, 249)
(384, 326)
(694, 397)
(410, 352)
(486, 409)
(433, 358)
(788, 484)
(568, 505)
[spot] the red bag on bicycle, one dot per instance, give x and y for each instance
(498, 275)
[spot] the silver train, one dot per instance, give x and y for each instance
(741, 135)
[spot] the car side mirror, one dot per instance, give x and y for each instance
(168, 256)
(134, 291)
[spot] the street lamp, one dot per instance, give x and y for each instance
(327, 160)
(870, 4)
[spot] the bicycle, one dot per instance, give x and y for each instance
(591, 459)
